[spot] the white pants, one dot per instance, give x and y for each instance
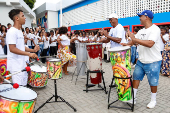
(20, 78)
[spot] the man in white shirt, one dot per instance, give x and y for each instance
(29, 38)
(16, 48)
(150, 58)
(116, 34)
(164, 38)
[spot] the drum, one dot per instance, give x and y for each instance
(94, 51)
(121, 65)
(3, 65)
(81, 55)
(21, 100)
(38, 76)
(54, 68)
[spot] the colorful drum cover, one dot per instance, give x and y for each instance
(94, 51)
(121, 65)
(21, 100)
(38, 76)
(54, 68)
(3, 66)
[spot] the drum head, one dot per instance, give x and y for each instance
(21, 93)
(94, 44)
(120, 48)
(3, 56)
(38, 68)
(55, 60)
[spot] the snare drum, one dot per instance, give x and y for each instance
(121, 65)
(3, 65)
(54, 68)
(21, 100)
(38, 76)
(94, 51)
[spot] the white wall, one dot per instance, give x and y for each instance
(4, 10)
(52, 19)
(4, 20)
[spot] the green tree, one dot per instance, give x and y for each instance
(30, 3)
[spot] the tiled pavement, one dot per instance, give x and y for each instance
(96, 101)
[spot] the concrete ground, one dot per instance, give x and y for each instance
(97, 101)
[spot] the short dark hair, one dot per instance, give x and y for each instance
(63, 30)
(136, 30)
(51, 31)
(8, 24)
(26, 28)
(77, 32)
(13, 13)
(164, 28)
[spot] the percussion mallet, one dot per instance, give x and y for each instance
(15, 85)
(26, 69)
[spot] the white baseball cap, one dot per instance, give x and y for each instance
(113, 15)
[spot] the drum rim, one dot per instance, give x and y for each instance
(93, 43)
(118, 51)
(55, 61)
(19, 100)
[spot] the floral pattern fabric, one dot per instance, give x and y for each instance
(166, 60)
(66, 56)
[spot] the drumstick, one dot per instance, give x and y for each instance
(26, 69)
(47, 56)
(15, 85)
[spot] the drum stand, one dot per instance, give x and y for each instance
(112, 86)
(92, 85)
(56, 96)
(83, 63)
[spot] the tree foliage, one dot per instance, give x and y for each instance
(30, 3)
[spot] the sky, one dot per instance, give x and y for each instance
(40, 2)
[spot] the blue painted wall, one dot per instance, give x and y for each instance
(158, 18)
(83, 3)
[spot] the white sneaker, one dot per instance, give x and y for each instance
(152, 104)
(134, 65)
(131, 101)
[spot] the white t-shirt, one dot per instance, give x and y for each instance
(146, 54)
(117, 32)
(46, 42)
(32, 36)
(40, 38)
(52, 39)
(27, 57)
(28, 41)
(166, 38)
(64, 40)
(76, 41)
(1, 49)
(83, 38)
(16, 62)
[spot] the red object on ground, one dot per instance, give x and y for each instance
(15, 85)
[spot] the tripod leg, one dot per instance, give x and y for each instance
(73, 74)
(132, 95)
(44, 104)
(104, 83)
(87, 81)
(67, 103)
(78, 73)
(110, 92)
